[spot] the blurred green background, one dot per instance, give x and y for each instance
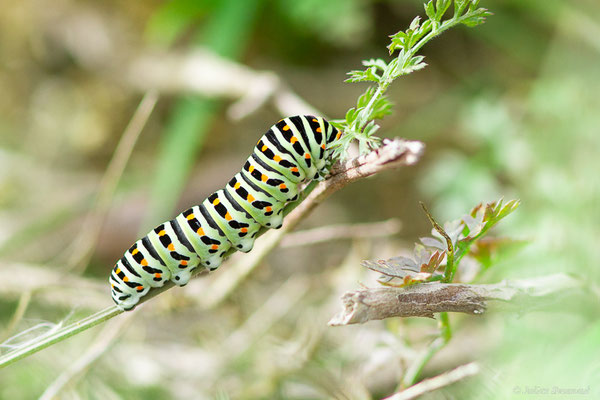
(507, 109)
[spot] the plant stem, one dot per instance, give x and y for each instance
(417, 366)
(59, 335)
(367, 111)
(444, 26)
(385, 79)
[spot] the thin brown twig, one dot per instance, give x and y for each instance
(425, 299)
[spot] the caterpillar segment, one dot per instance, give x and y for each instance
(207, 241)
(236, 226)
(150, 267)
(270, 180)
(175, 250)
(262, 207)
(294, 150)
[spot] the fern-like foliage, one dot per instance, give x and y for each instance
(359, 123)
(437, 257)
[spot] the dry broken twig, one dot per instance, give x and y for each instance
(423, 300)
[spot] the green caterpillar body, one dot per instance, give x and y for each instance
(294, 150)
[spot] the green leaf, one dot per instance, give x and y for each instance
(441, 8)
(473, 6)
(340, 124)
(459, 7)
(425, 28)
(507, 209)
(450, 244)
(414, 64)
(375, 62)
(381, 108)
(368, 75)
(474, 16)
(430, 9)
(414, 25)
(398, 40)
(370, 129)
(477, 18)
(351, 116)
(407, 42)
(365, 98)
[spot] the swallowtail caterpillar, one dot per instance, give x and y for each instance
(293, 151)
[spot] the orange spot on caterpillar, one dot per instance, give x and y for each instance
(339, 135)
(171, 247)
(200, 231)
(133, 253)
(237, 185)
(307, 156)
(268, 209)
(157, 275)
(244, 230)
(139, 288)
(315, 120)
(294, 169)
(264, 178)
(250, 198)
(125, 279)
(216, 202)
(264, 148)
(282, 186)
(323, 146)
(214, 247)
(276, 158)
(228, 217)
(162, 233)
(286, 128)
(144, 262)
(112, 286)
(183, 262)
(293, 139)
(191, 216)
(319, 130)
(251, 168)
(118, 271)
